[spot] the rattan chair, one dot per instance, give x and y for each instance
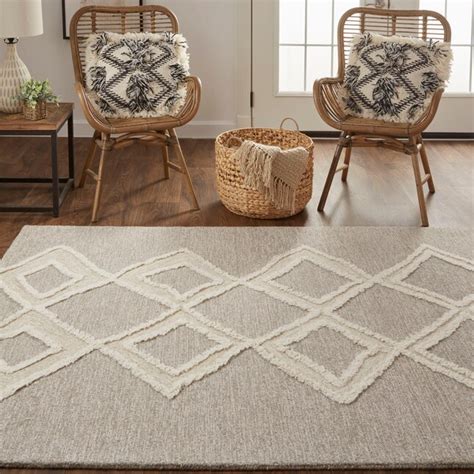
(359, 132)
(111, 134)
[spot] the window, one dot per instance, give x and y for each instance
(460, 15)
(308, 41)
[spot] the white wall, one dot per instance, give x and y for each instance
(218, 32)
(211, 27)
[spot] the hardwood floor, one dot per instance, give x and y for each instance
(310, 471)
(380, 191)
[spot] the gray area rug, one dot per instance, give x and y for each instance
(262, 347)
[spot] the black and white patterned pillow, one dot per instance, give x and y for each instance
(137, 74)
(393, 78)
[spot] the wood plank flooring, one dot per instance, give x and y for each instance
(380, 191)
(309, 471)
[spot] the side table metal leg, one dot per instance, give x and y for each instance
(54, 173)
(70, 138)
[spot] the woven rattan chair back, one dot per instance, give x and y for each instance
(422, 24)
(96, 19)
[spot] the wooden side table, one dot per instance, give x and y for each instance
(16, 124)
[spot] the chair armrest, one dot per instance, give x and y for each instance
(193, 100)
(96, 121)
(425, 120)
(186, 114)
(325, 95)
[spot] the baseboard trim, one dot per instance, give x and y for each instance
(427, 135)
(448, 136)
(194, 129)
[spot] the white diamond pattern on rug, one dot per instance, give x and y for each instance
(422, 352)
(312, 280)
(183, 280)
(140, 277)
(112, 302)
(430, 276)
(12, 358)
(8, 306)
(345, 388)
(228, 311)
(25, 276)
(48, 280)
(402, 272)
(269, 277)
(63, 349)
(170, 380)
(371, 350)
(177, 347)
(404, 313)
(80, 275)
(458, 348)
(328, 348)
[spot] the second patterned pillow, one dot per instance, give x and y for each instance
(393, 78)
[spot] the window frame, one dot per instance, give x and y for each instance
(333, 46)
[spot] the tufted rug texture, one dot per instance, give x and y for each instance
(237, 348)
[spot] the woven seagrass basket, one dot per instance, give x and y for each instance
(245, 201)
(39, 112)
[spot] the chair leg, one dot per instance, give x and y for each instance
(98, 189)
(166, 168)
(347, 162)
(179, 153)
(332, 172)
(426, 166)
(419, 190)
(90, 157)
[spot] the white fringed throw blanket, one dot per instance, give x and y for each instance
(273, 171)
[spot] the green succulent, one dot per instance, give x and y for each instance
(32, 92)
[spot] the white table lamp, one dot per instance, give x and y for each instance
(18, 18)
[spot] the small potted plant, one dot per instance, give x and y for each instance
(35, 95)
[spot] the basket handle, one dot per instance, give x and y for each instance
(292, 120)
(234, 141)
